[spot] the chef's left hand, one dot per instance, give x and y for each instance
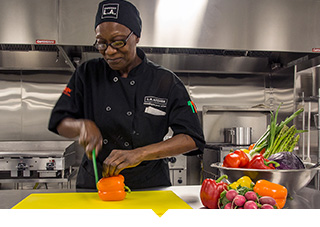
(119, 160)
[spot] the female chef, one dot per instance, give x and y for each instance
(122, 105)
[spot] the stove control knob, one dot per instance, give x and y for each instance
(180, 181)
(22, 166)
(172, 159)
(50, 165)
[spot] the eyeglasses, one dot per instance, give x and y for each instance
(115, 44)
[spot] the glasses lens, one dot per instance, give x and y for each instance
(118, 44)
(100, 46)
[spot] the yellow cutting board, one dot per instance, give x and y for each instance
(158, 201)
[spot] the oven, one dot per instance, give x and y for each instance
(25, 162)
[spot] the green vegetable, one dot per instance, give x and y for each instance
(278, 137)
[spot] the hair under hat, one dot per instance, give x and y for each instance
(120, 11)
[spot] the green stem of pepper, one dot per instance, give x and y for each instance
(276, 164)
(222, 177)
(127, 188)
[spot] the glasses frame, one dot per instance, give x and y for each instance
(104, 46)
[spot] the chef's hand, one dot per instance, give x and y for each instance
(90, 137)
(119, 160)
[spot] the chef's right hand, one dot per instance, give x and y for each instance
(90, 137)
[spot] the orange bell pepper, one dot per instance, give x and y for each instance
(276, 191)
(112, 188)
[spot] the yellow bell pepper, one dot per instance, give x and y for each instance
(244, 181)
(245, 151)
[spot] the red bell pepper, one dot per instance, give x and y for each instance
(232, 160)
(211, 190)
(236, 159)
(244, 159)
(259, 162)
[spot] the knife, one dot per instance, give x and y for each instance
(95, 165)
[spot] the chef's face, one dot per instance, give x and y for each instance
(123, 58)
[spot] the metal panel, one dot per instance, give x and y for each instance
(211, 63)
(216, 119)
(40, 91)
(281, 25)
(10, 106)
(24, 21)
(227, 89)
(76, 21)
(32, 60)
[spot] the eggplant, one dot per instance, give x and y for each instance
(287, 160)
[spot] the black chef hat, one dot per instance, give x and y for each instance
(120, 11)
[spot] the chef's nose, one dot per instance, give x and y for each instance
(110, 50)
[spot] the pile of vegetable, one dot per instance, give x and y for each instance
(273, 150)
(242, 194)
(278, 137)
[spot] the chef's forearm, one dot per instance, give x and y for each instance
(69, 128)
(176, 145)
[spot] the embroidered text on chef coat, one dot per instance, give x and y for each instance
(155, 101)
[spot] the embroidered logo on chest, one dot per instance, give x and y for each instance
(155, 101)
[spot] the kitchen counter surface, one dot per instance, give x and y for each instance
(307, 198)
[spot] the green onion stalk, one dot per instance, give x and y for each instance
(278, 137)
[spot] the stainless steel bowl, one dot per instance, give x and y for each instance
(293, 180)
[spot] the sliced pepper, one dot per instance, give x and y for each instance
(211, 190)
(244, 181)
(112, 188)
(276, 191)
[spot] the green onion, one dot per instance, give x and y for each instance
(278, 137)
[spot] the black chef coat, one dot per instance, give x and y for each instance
(130, 112)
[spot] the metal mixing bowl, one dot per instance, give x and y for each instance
(293, 180)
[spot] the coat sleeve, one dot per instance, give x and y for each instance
(183, 117)
(70, 103)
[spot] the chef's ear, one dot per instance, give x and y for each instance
(137, 40)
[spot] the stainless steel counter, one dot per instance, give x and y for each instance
(307, 198)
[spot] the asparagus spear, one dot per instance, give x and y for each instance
(267, 140)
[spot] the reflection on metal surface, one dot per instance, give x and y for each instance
(214, 24)
(32, 60)
(26, 102)
(170, 16)
(26, 21)
(217, 118)
(10, 106)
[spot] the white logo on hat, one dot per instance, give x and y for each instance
(110, 10)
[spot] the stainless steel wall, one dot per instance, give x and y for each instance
(282, 25)
(28, 97)
(26, 101)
